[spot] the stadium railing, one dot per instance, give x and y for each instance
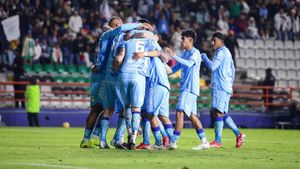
(76, 95)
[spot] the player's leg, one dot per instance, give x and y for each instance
(218, 107)
(163, 133)
(137, 94)
(240, 137)
(146, 127)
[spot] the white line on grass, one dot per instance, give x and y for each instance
(50, 166)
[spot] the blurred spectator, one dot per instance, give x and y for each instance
(75, 22)
(252, 31)
(28, 48)
(56, 55)
(163, 26)
(176, 39)
(232, 44)
(235, 9)
(18, 69)
(295, 21)
(133, 17)
(32, 96)
(280, 23)
(269, 81)
(242, 25)
(37, 52)
(67, 49)
(263, 11)
(245, 7)
(262, 28)
(222, 24)
(202, 14)
(45, 57)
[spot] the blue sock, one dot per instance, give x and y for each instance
(121, 126)
(156, 133)
(162, 129)
(87, 134)
(229, 122)
(128, 118)
(136, 120)
(96, 132)
(104, 127)
(146, 130)
(176, 134)
(169, 130)
(201, 135)
(218, 125)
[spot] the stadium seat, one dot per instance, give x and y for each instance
(249, 44)
(240, 63)
(297, 54)
(269, 44)
(60, 69)
(260, 44)
(280, 64)
(49, 68)
(250, 53)
(27, 68)
(260, 53)
(82, 69)
(279, 54)
(261, 73)
(58, 79)
(71, 69)
(251, 73)
(241, 43)
(261, 64)
(270, 54)
(281, 74)
(291, 75)
(290, 54)
(38, 68)
(289, 45)
(291, 65)
(251, 63)
(297, 45)
(270, 63)
(293, 83)
(79, 79)
(68, 79)
(278, 44)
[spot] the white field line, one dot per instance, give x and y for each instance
(48, 165)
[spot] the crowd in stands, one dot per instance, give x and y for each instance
(67, 31)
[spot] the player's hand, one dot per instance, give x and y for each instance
(94, 68)
(147, 26)
(156, 37)
(138, 55)
(171, 53)
(164, 57)
(203, 55)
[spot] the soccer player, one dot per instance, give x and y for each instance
(132, 81)
(156, 101)
(116, 36)
(189, 62)
(96, 93)
(223, 73)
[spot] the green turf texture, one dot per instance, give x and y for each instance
(59, 148)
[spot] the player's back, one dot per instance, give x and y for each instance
(130, 65)
(102, 50)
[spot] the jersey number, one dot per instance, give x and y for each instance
(140, 46)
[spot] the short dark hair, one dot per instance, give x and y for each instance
(112, 18)
(142, 20)
(190, 33)
(219, 35)
(33, 81)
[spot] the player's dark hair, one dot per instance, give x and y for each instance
(219, 35)
(142, 20)
(111, 19)
(190, 33)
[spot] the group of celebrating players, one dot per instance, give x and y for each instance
(131, 78)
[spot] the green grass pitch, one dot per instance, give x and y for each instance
(34, 148)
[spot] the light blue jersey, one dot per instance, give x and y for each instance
(223, 70)
(131, 66)
(189, 62)
(114, 38)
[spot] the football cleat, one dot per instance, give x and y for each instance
(95, 141)
(171, 146)
(86, 144)
(240, 140)
(215, 144)
(121, 146)
(202, 146)
(103, 145)
(165, 140)
(142, 146)
(156, 147)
